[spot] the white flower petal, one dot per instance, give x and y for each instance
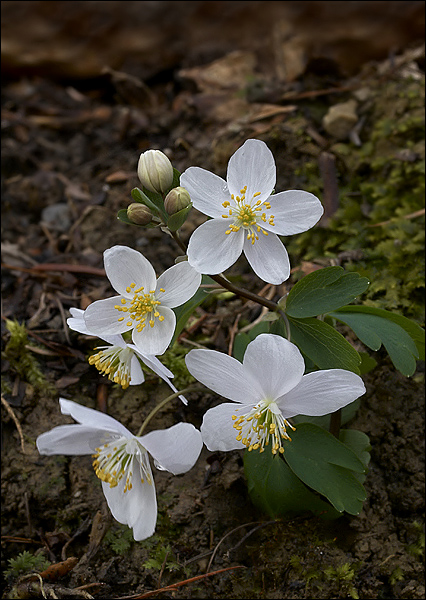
(180, 283)
(275, 362)
(153, 363)
(224, 375)
(101, 318)
(294, 211)
(70, 439)
(217, 429)
(124, 266)
(77, 323)
(321, 393)
(268, 258)
(92, 418)
(211, 250)
(175, 449)
(206, 189)
(136, 508)
(136, 374)
(252, 165)
(155, 340)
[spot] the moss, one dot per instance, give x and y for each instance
(24, 563)
(381, 209)
(21, 359)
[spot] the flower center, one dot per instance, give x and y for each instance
(142, 309)
(262, 425)
(248, 214)
(114, 361)
(117, 458)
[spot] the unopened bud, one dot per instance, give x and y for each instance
(176, 200)
(139, 214)
(155, 171)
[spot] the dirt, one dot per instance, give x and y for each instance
(70, 150)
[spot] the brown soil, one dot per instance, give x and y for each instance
(70, 149)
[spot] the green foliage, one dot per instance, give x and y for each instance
(402, 338)
(326, 347)
(314, 462)
(381, 188)
(162, 558)
(119, 538)
(338, 579)
(323, 291)
(21, 360)
(396, 575)
(417, 549)
(343, 575)
(26, 562)
(326, 465)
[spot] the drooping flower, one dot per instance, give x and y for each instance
(120, 361)
(145, 304)
(245, 217)
(267, 389)
(121, 460)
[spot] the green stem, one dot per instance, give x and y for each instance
(335, 422)
(164, 402)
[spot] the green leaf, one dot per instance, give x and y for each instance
(176, 179)
(276, 490)
(184, 311)
(174, 222)
(145, 197)
(375, 327)
(122, 216)
(323, 291)
(325, 346)
(326, 465)
(359, 443)
(347, 414)
(368, 363)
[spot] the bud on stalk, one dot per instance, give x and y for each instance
(139, 214)
(155, 171)
(176, 200)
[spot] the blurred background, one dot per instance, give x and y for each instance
(77, 40)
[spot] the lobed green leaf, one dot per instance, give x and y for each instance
(326, 465)
(402, 338)
(323, 291)
(325, 346)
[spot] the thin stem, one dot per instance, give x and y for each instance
(164, 402)
(335, 422)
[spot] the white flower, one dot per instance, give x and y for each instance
(268, 388)
(119, 361)
(121, 460)
(145, 304)
(245, 217)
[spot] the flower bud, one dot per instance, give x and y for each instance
(155, 171)
(176, 200)
(139, 214)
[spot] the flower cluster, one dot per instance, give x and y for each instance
(136, 325)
